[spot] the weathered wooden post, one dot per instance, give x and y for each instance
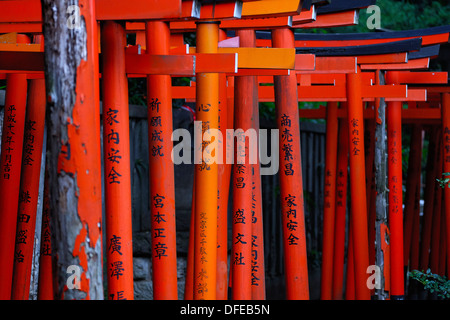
(74, 161)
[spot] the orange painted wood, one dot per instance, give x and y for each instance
(236, 24)
(357, 184)
(418, 64)
(446, 167)
(245, 95)
(304, 62)
(329, 208)
(137, 9)
(161, 170)
(268, 58)
(341, 210)
(291, 187)
(224, 176)
(45, 281)
(395, 213)
(179, 65)
(401, 57)
(11, 164)
(116, 150)
(429, 190)
(305, 16)
(206, 183)
(21, 47)
(426, 40)
(268, 8)
(336, 19)
(29, 189)
(159, 64)
(333, 65)
(417, 77)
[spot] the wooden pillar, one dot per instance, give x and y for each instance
(45, 286)
(411, 194)
(206, 180)
(291, 184)
(358, 184)
(329, 202)
(116, 150)
(11, 164)
(341, 211)
(73, 149)
(224, 175)
(29, 189)
(430, 183)
(395, 186)
(446, 167)
(258, 264)
(245, 96)
(162, 184)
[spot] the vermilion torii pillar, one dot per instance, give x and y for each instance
(116, 145)
(162, 183)
(395, 186)
(291, 185)
(29, 189)
(446, 166)
(11, 163)
(206, 180)
(246, 96)
(330, 202)
(358, 184)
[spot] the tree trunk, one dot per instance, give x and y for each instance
(73, 154)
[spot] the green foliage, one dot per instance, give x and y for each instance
(434, 283)
(444, 181)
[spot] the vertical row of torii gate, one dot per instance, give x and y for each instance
(246, 52)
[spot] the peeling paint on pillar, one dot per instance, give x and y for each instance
(74, 159)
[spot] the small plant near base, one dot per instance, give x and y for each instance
(434, 283)
(445, 180)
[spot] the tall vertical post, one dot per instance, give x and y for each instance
(429, 190)
(258, 264)
(206, 179)
(116, 145)
(245, 95)
(341, 210)
(224, 175)
(446, 167)
(291, 184)
(45, 287)
(162, 184)
(395, 213)
(380, 188)
(326, 279)
(74, 152)
(358, 184)
(11, 164)
(29, 189)
(411, 194)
